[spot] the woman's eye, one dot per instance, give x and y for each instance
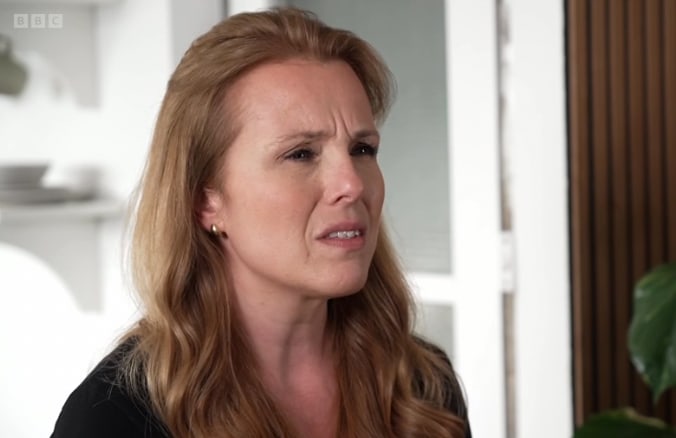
(364, 149)
(301, 155)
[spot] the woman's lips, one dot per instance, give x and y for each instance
(348, 235)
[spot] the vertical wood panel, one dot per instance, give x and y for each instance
(602, 250)
(622, 133)
(654, 132)
(580, 201)
(654, 145)
(669, 118)
(637, 177)
(668, 42)
(620, 199)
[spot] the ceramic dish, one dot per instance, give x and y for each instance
(21, 175)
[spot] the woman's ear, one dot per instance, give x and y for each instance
(210, 209)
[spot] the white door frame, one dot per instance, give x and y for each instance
(536, 112)
(473, 287)
(474, 170)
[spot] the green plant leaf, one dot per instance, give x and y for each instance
(652, 334)
(624, 423)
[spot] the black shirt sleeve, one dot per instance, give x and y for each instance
(101, 408)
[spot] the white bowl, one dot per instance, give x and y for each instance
(22, 175)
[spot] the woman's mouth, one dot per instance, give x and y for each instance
(347, 234)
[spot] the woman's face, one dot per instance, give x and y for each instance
(301, 191)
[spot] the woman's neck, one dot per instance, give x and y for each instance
(294, 348)
(289, 336)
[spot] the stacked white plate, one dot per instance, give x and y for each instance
(22, 184)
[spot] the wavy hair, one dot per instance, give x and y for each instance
(191, 361)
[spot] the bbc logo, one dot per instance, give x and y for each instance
(38, 21)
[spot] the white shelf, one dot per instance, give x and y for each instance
(97, 209)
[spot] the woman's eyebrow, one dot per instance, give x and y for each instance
(309, 136)
(301, 136)
(365, 133)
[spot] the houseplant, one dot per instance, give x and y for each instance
(652, 345)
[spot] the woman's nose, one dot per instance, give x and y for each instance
(344, 181)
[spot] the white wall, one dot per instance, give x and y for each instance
(48, 341)
(77, 63)
(237, 6)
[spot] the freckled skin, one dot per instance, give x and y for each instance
(303, 161)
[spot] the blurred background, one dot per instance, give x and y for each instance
(530, 163)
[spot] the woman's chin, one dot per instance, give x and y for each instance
(347, 285)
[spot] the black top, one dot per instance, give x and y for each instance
(101, 408)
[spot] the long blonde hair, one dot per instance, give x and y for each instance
(191, 361)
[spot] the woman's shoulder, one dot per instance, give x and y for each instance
(454, 394)
(101, 406)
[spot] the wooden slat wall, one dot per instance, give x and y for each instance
(622, 119)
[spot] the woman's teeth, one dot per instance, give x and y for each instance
(345, 234)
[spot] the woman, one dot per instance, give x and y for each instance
(274, 306)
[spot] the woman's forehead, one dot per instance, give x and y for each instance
(301, 89)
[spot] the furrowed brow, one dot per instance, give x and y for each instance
(312, 136)
(301, 137)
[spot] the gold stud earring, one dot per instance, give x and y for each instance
(214, 230)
